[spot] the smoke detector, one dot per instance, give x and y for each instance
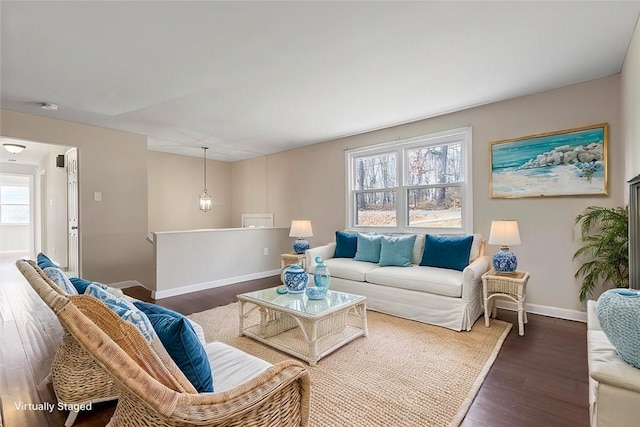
(49, 106)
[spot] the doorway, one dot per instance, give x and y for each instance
(47, 200)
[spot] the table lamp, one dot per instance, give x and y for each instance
(504, 233)
(301, 229)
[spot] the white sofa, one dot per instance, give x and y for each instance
(614, 385)
(438, 296)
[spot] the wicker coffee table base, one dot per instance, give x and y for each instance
(307, 338)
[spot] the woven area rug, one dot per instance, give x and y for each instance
(404, 373)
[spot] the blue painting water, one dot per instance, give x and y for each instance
(515, 154)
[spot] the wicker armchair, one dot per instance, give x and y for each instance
(153, 391)
(78, 380)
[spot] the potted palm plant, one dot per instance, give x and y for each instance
(605, 249)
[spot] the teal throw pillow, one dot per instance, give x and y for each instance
(182, 344)
(397, 251)
(58, 277)
(123, 308)
(618, 312)
(369, 246)
(450, 252)
(346, 244)
(44, 261)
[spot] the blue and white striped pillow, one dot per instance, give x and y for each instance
(124, 309)
(59, 278)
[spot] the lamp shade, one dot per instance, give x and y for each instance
(504, 233)
(301, 228)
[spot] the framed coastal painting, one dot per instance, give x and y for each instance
(564, 163)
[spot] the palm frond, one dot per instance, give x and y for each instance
(605, 242)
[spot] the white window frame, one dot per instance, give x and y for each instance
(28, 204)
(460, 135)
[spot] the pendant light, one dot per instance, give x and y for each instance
(205, 199)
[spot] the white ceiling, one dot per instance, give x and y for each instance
(250, 78)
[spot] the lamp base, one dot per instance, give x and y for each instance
(504, 262)
(300, 246)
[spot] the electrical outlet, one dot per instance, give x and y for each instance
(266, 251)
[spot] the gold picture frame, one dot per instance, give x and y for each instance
(571, 162)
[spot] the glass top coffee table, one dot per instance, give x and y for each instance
(307, 329)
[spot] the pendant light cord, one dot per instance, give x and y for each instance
(205, 167)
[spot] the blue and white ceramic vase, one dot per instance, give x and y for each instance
(321, 275)
(295, 278)
(505, 262)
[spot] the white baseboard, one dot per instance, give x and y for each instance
(546, 310)
(125, 284)
(213, 284)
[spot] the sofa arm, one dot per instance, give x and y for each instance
(476, 269)
(472, 276)
(606, 367)
(325, 252)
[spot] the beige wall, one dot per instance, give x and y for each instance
(631, 106)
(309, 182)
(113, 245)
(175, 183)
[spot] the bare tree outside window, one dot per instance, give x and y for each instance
(414, 183)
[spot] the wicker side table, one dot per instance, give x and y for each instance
(512, 286)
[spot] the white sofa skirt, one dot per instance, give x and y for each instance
(449, 312)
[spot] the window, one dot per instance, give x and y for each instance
(14, 201)
(417, 183)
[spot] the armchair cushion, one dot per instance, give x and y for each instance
(44, 261)
(182, 344)
(149, 308)
(59, 278)
(124, 309)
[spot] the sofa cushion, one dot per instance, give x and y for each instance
(447, 251)
(123, 308)
(231, 367)
(58, 277)
(346, 244)
(440, 281)
(348, 268)
(182, 344)
(369, 246)
(397, 250)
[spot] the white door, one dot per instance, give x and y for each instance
(71, 158)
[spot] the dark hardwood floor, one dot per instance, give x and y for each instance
(539, 379)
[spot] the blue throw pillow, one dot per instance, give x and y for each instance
(450, 252)
(397, 251)
(44, 261)
(618, 312)
(124, 309)
(182, 344)
(58, 277)
(80, 284)
(346, 244)
(150, 308)
(368, 248)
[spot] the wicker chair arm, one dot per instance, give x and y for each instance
(285, 387)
